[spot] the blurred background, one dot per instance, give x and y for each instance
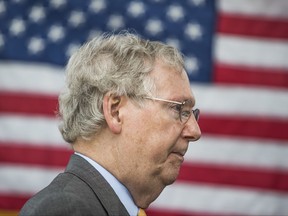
(236, 54)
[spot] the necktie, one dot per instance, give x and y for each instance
(141, 212)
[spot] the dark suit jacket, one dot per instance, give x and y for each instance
(80, 190)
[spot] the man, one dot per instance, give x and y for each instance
(128, 113)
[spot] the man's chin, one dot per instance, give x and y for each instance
(171, 177)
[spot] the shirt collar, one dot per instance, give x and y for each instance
(121, 191)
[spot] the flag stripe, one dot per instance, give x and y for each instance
(238, 151)
(32, 104)
(253, 52)
(242, 176)
(12, 202)
(34, 155)
(163, 211)
(25, 77)
(201, 198)
(233, 74)
(213, 149)
(261, 127)
(229, 98)
(256, 8)
(235, 176)
(199, 192)
(258, 26)
(33, 178)
(15, 128)
(245, 126)
(236, 100)
(191, 171)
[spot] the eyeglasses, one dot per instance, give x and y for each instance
(183, 108)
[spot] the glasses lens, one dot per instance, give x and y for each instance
(185, 115)
(185, 111)
(196, 114)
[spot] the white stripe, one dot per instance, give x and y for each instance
(266, 8)
(249, 101)
(203, 198)
(215, 150)
(253, 52)
(25, 77)
(245, 152)
(32, 130)
(25, 179)
(224, 100)
(179, 196)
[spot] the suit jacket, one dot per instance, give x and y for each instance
(80, 190)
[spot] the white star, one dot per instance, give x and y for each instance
(72, 48)
(191, 64)
(198, 2)
(94, 33)
(17, 27)
(2, 7)
(193, 31)
(154, 26)
(17, 1)
(1, 41)
(37, 14)
(174, 42)
(76, 18)
(97, 5)
(115, 22)
(57, 3)
(56, 33)
(175, 13)
(136, 8)
(35, 45)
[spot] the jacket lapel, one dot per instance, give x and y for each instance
(85, 171)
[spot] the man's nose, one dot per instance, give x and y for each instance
(191, 130)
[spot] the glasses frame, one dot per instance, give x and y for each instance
(195, 112)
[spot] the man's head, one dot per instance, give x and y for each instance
(128, 105)
(120, 64)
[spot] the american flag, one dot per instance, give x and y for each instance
(237, 59)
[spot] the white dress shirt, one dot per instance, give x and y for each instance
(121, 191)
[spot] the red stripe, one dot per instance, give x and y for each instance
(34, 155)
(232, 74)
(12, 202)
(33, 104)
(259, 127)
(15, 202)
(252, 26)
(231, 125)
(167, 212)
(194, 172)
(240, 176)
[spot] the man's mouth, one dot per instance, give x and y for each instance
(179, 155)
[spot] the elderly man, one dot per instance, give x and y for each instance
(128, 113)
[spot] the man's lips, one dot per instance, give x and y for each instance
(180, 152)
(180, 155)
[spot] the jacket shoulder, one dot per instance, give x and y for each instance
(66, 195)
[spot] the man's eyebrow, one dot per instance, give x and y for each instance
(192, 101)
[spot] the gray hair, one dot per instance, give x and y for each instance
(117, 63)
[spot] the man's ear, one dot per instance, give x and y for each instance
(111, 106)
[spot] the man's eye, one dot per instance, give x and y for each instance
(176, 107)
(186, 114)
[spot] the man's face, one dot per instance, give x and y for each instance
(156, 138)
